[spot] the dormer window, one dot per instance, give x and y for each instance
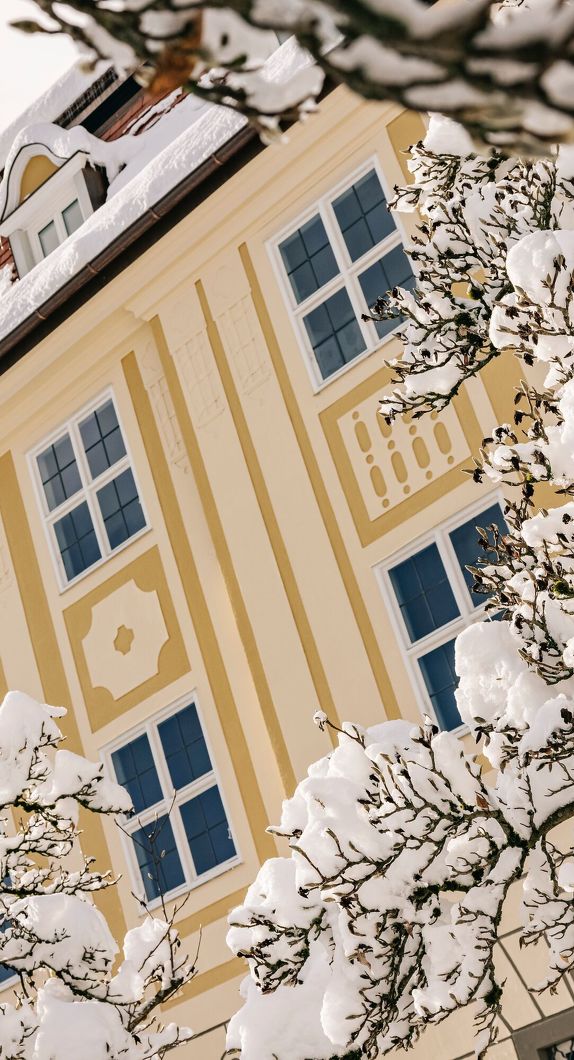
(44, 199)
(58, 228)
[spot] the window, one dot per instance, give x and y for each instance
(549, 1039)
(59, 228)
(335, 265)
(430, 592)
(88, 492)
(179, 831)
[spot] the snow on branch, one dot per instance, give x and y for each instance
(507, 77)
(385, 918)
(77, 995)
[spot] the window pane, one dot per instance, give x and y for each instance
(72, 217)
(393, 270)
(207, 830)
(465, 543)
(158, 858)
(121, 509)
(77, 540)
(184, 747)
(135, 770)
(59, 472)
(437, 668)
(49, 238)
(423, 593)
(563, 1051)
(363, 217)
(334, 333)
(308, 258)
(102, 439)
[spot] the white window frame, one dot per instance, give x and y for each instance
(203, 783)
(57, 216)
(346, 278)
(86, 493)
(469, 612)
(22, 225)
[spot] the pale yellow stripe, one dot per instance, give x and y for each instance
(226, 563)
(280, 552)
(201, 618)
(349, 580)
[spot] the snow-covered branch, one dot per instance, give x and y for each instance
(77, 995)
(507, 78)
(386, 916)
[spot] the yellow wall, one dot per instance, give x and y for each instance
(266, 510)
(36, 173)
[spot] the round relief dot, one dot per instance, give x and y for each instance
(450, 460)
(406, 489)
(370, 458)
(428, 474)
(390, 445)
(355, 415)
(412, 430)
(386, 503)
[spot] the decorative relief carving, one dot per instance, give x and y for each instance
(245, 343)
(201, 382)
(126, 639)
(160, 397)
(117, 661)
(382, 467)
(391, 463)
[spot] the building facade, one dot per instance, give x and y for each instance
(207, 531)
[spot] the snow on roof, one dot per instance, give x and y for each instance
(60, 144)
(51, 104)
(162, 158)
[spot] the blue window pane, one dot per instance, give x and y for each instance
(308, 259)
(135, 770)
(423, 593)
(77, 540)
(121, 509)
(363, 216)
(207, 830)
(184, 747)
(102, 439)
(394, 270)
(437, 668)
(334, 333)
(466, 545)
(59, 472)
(158, 858)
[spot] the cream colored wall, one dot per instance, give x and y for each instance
(254, 588)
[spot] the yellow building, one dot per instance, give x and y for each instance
(207, 532)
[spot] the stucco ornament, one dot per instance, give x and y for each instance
(110, 666)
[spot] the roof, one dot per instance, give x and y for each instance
(171, 145)
(70, 89)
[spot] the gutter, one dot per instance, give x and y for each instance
(130, 244)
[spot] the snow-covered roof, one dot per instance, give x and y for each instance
(51, 104)
(154, 163)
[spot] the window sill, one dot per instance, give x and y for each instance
(104, 559)
(187, 887)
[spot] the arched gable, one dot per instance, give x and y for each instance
(36, 172)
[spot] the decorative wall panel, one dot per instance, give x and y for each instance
(125, 639)
(388, 473)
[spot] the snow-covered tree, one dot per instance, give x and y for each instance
(73, 994)
(385, 917)
(509, 79)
